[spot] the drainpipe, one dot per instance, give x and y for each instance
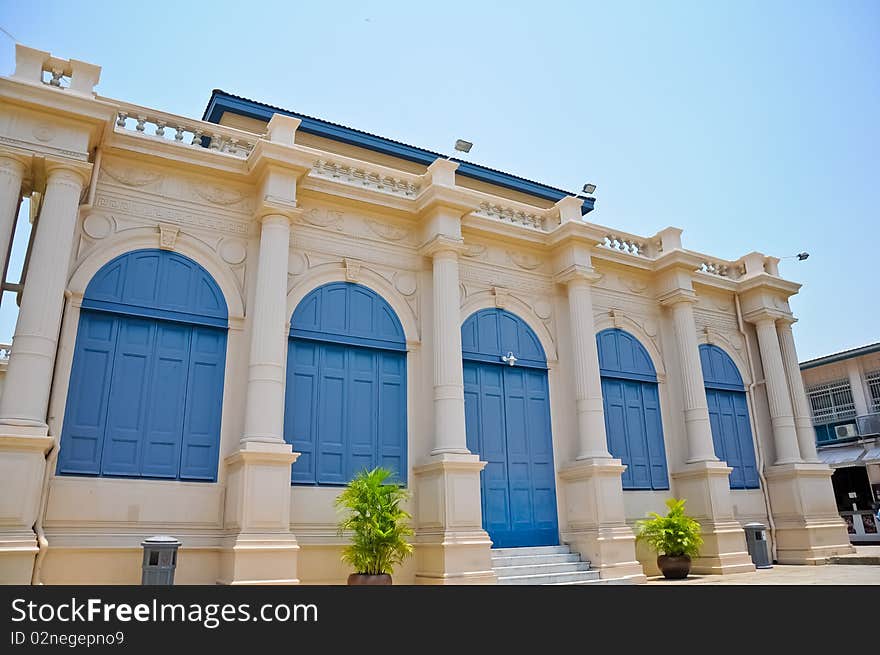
(42, 542)
(756, 439)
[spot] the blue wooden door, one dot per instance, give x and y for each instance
(145, 399)
(507, 414)
(732, 436)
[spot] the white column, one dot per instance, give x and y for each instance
(264, 409)
(592, 442)
(25, 396)
(803, 422)
(11, 176)
(781, 414)
(449, 422)
(696, 410)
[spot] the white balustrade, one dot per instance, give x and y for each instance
(721, 268)
(186, 132)
(515, 215)
(380, 180)
(626, 243)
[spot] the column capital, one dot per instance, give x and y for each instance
(764, 315)
(442, 243)
(271, 213)
(677, 296)
(58, 169)
(577, 273)
(13, 161)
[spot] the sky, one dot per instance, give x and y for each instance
(751, 125)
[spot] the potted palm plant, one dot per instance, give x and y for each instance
(379, 526)
(674, 537)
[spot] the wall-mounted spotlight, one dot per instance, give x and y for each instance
(802, 256)
(589, 188)
(463, 146)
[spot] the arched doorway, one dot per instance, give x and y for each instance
(345, 403)
(632, 410)
(146, 385)
(507, 412)
(729, 416)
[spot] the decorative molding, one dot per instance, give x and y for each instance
(543, 309)
(389, 232)
(323, 218)
(501, 296)
(168, 236)
(635, 285)
(474, 251)
(98, 226)
(44, 132)
(406, 283)
(232, 251)
(132, 176)
(352, 269)
(159, 214)
(218, 195)
(526, 261)
(27, 145)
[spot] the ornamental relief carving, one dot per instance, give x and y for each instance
(386, 231)
(525, 260)
(323, 218)
(130, 175)
(224, 196)
(147, 212)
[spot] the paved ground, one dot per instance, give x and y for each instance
(832, 574)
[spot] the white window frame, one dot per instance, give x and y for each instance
(831, 401)
(873, 380)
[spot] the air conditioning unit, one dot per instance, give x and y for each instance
(846, 430)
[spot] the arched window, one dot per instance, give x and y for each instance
(632, 410)
(146, 385)
(729, 416)
(345, 405)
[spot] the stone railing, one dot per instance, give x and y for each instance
(514, 213)
(722, 268)
(358, 173)
(628, 243)
(5, 350)
(132, 119)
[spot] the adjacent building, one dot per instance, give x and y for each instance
(223, 319)
(844, 394)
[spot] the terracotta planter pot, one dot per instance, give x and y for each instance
(674, 567)
(365, 579)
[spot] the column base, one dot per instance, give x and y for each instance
(706, 487)
(259, 549)
(22, 468)
(809, 529)
(596, 520)
(451, 546)
(251, 559)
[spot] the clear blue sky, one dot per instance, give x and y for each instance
(752, 125)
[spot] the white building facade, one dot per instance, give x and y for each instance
(222, 320)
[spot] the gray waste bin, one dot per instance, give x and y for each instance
(160, 560)
(756, 540)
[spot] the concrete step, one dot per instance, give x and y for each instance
(855, 559)
(615, 581)
(531, 550)
(549, 578)
(540, 569)
(522, 560)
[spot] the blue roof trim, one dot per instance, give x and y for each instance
(222, 102)
(841, 356)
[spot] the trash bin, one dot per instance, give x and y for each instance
(160, 560)
(756, 541)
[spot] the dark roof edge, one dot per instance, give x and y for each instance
(222, 101)
(843, 355)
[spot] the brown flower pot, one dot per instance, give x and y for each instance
(366, 579)
(674, 567)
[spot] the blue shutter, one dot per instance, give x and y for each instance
(747, 445)
(542, 468)
(636, 435)
(361, 410)
(332, 402)
(204, 402)
(129, 393)
(615, 426)
(654, 436)
(392, 413)
(85, 415)
(166, 397)
(301, 397)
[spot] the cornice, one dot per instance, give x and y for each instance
(436, 196)
(572, 232)
(441, 243)
(677, 258)
(43, 97)
(676, 296)
(768, 282)
(577, 272)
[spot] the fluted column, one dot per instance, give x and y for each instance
(592, 442)
(803, 422)
(449, 421)
(781, 415)
(696, 410)
(11, 176)
(25, 396)
(264, 409)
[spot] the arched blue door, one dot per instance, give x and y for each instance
(146, 386)
(507, 412)
(345, 404)
(632, 410)
(729, 416)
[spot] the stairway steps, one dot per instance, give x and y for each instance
(541, 569)
(549, 578)
(531, 550)
(521, 560)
